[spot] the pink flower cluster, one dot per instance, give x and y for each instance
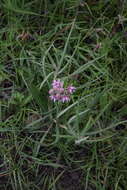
(59, 93)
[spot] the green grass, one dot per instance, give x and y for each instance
(80, 145)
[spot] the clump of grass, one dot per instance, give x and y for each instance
(80, 144)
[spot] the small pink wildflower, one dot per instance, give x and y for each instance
(71, 89)
(57, 84)
(58, 93)
(58, 90)
(65, 99)
(52, 97)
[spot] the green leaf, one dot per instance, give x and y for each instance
(40, 98)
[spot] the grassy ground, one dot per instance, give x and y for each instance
(80, 145)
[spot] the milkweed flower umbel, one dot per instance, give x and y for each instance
(59, 93)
